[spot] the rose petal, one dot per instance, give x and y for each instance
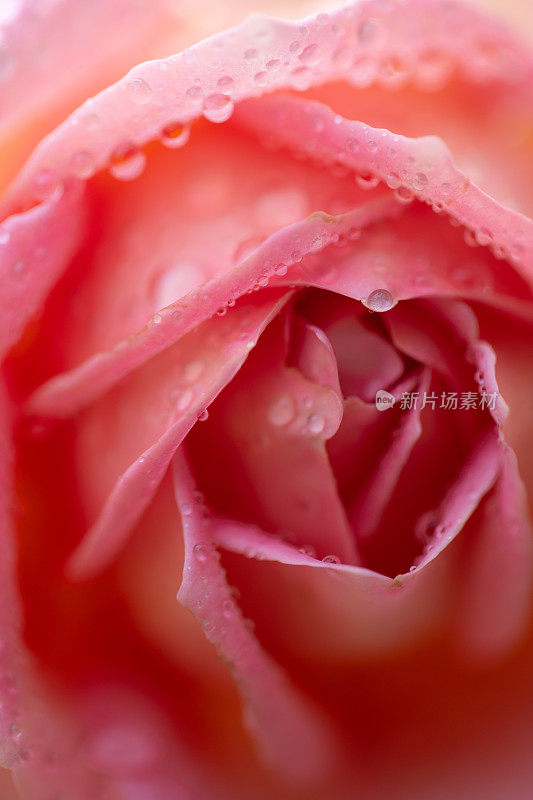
(495, 602)
(68, 392)
(142, 451)
(35, 248)
(273, 467)
(290, 734)
(425, 166)
(310, 54)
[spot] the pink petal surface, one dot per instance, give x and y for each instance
(271, 426)
(330, 612)
(350, 610)
(35, 249)
(67, 393)
(10, 621)
(321, 49)
(495, 602)
(313, 355)
(423, 166)
(445, 336)
(290, 734)
(370, 502)
(147, 421)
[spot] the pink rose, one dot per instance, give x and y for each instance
(266, 329)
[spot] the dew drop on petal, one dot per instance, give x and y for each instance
(46, 185)
(403, 195)
(225, 82)
(195, 94)
(367, 181)
(331, 560)
(82, 164)
(203, 415)
(316, 423)
(421, 180)
(393, 180)
(192, 371)
(175, 134)
(127, 163)
(379, 300)
(201, 553)
(138, 91)
(185, 400)
(310, 54)
(281, 412)
(217, 107)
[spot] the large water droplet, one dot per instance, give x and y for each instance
(380, 300)
(217, 107)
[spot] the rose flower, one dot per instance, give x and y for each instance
(266, 324)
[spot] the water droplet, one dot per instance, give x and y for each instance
(192, 371)
(367, 181)
(403, 195)
(201, 552)
(82, 164)
(421, 180)
(46, 185)
(281, 270)
(15, 731)
(483, 236)
(217, 107)
(316, 423)
(261, 78)
(371, 145)
(195, 94)
(203, 415)
(127, 163)
(310, 55)
(228, 607)
(186, 510)
(225, 82)
(156, 319)
(138, 91)
(393, 180)
(368, 30)
(185, 400)
(331, 560)
(470, 238)
(175, 134)
(281, 412)
(4, 236)
(272, 64)
(250, 53)
(379, 300)
(307, 550)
